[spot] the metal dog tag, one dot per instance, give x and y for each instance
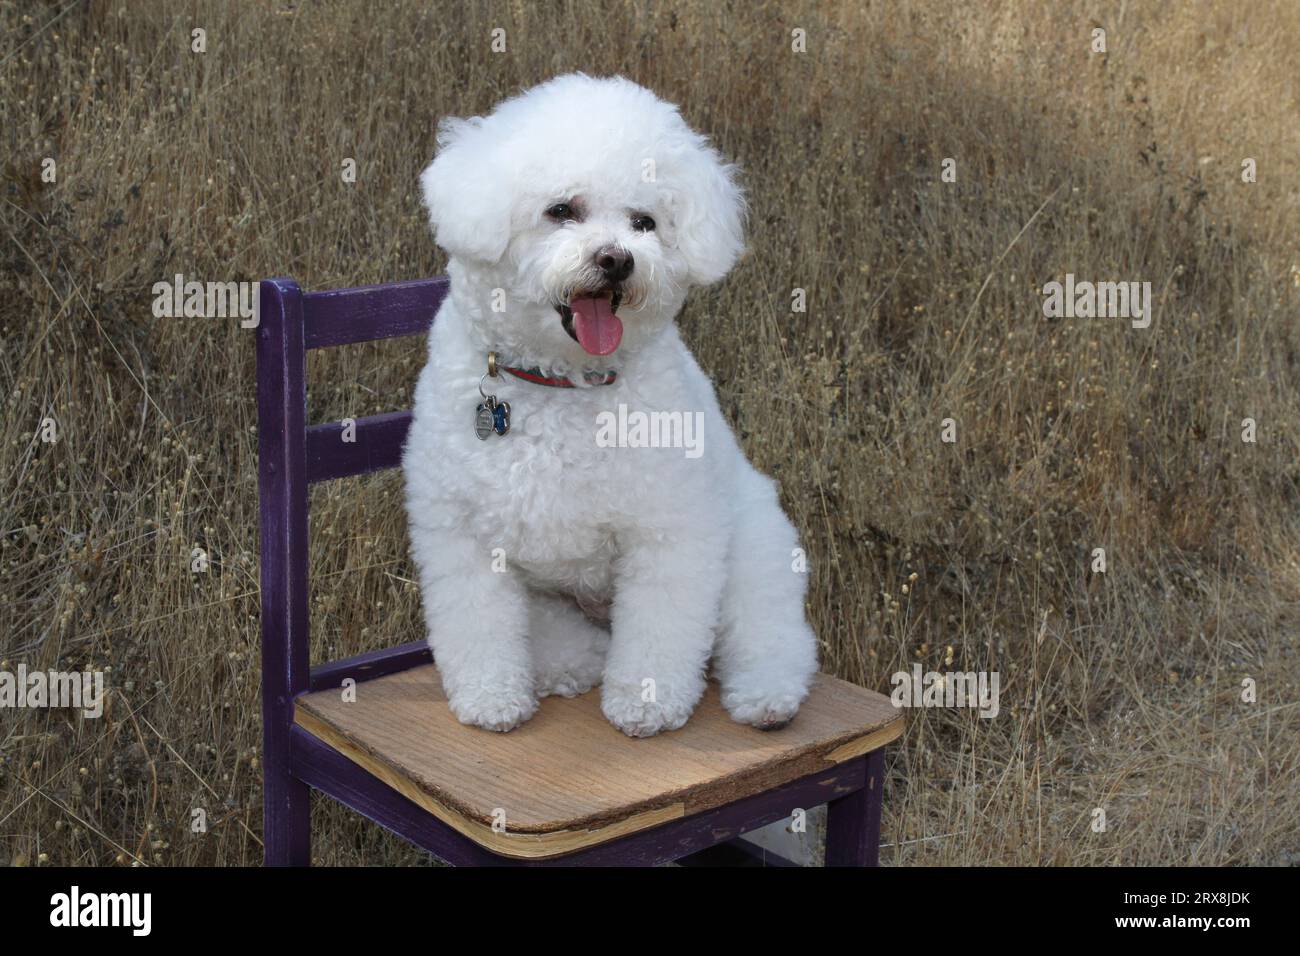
(491, 416)
(483, 421)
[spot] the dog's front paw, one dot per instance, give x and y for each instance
(626, 709)
(494, 710)
(766, 711)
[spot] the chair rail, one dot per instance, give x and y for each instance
(376, 443)
(368, 313)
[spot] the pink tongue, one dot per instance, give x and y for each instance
(598, 329)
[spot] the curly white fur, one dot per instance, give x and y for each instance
(515, 535)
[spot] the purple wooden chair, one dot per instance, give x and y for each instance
(566, 788)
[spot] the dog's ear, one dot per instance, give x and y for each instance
(467, 200)
(709, 215)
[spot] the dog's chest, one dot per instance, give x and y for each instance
(549, 493)
(559, 492)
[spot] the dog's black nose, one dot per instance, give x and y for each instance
(615, 263)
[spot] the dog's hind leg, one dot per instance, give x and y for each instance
(766, 654)
(568, 649)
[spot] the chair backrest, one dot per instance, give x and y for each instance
(293, 454)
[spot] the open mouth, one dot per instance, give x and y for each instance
(590, 320)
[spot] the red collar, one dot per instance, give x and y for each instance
(535, 376)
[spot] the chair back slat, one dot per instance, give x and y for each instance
(367, 313)
(375, 443)
(282, 505)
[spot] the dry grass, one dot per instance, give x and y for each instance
(1119, 690)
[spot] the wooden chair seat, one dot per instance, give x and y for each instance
(568, 779)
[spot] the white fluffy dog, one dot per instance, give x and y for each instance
(557, 551)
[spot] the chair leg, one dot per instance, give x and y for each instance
(286, 825)
(853, 821)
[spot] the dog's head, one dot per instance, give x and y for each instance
(577, 215)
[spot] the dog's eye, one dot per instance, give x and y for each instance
(561, 212)
(643, 223)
